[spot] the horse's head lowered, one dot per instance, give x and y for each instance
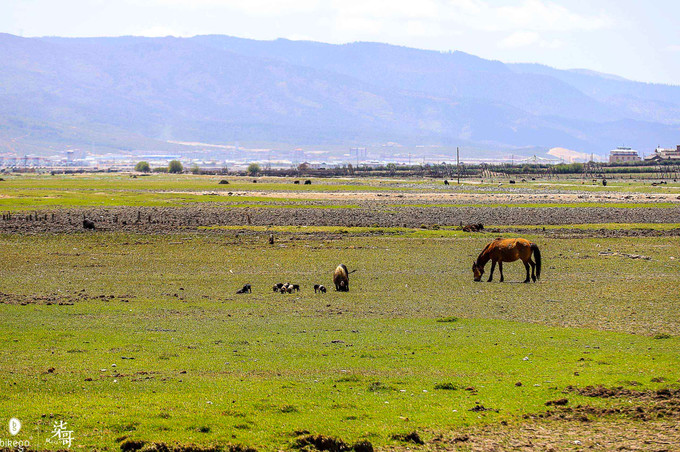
(478, 270)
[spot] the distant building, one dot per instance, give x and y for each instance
(665, 154)
(623, 155)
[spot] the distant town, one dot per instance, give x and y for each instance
(236, 159)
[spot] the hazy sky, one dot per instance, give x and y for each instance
(637, 39)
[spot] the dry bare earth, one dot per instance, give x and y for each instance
(155, 219)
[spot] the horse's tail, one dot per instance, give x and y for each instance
(537, 254)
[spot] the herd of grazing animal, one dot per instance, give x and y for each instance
(340, 279)
(498, 251)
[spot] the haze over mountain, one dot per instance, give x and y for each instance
(138, 93)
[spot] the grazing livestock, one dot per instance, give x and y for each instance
(245, 289)
(296, 287)
(271, 239)
(308, 182)
(341, 278)
(297, 182)
(224, 182)
(446, 182)
(604, 182)
(88, 224)
(473, 227)
(316, 287)
(508, 250)
(512, 181)
(322, 289)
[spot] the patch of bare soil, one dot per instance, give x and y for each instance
(191, 218)
(456, 197)
(61, 299)
(551, 435)
(639, 421)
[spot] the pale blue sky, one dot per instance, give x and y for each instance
(636, 39)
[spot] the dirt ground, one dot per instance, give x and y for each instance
(159, 219)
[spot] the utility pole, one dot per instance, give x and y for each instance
(458, 162)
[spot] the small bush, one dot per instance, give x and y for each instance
(662, 336)
(446, 386)
(447, 319)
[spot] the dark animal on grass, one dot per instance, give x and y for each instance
(296, 287)
(473, 227)
(271, 239)
(512, 181)
(245, 289)
(604, 182)
(297, 182)
(508, 250)
(322, 289)
(254, 181)
(308, 182)
(446, 182)
(88, 224)
(224, 182)
(341, 278)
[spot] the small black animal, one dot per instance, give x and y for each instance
(512, 181)
(297, 182)
(604, 182)
(308, 182)
(295, 287)
(322, 289)
(224, 182)
(245, 289)
(446, 182)
(88, 224)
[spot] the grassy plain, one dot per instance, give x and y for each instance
(414, 346)
(212, 367)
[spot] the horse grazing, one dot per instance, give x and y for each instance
(341, 278)
(508, 250)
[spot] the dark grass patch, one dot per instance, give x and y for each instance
(446, 386)
(447, 319)
(412, 437)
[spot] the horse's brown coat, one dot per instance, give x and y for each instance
(508, 250)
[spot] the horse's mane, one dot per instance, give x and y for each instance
(488, 245)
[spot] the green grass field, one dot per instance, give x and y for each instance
(211, 367)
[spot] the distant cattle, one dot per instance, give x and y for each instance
(512, 181)
(88, 224)
(308, 182)
(296, 287)
(297, 182)
(604, 182)
(245, 289)
(446, 182)
(341, 278)
(224, 182)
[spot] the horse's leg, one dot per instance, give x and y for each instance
(493, 266)
(500, 269)
(526, 266)
(533, 270)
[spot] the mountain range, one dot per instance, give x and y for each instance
(135, 93)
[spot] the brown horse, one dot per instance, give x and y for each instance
(508, 250)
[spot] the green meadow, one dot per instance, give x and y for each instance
(142, 337)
